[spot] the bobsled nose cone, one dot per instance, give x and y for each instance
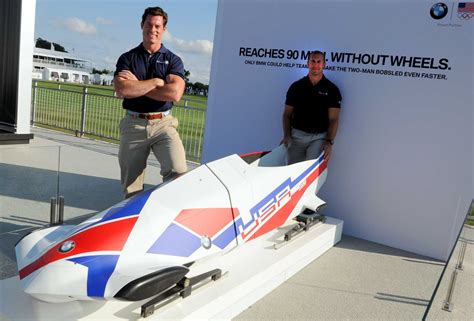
(60, 281)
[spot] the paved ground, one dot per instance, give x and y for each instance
(355, 280)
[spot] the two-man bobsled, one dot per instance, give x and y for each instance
(147, 243)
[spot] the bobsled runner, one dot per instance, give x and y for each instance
(147, 244)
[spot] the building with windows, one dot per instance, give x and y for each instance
(60, 66)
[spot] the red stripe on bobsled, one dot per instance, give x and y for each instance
(106, 237)
(279, 218)
(206, 221)
(255, 153)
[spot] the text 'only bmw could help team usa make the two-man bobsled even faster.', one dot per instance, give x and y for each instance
(147, 244)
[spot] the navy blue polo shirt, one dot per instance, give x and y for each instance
(146, 66)
(311, 104)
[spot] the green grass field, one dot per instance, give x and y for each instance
(108, 91)
(59, 106)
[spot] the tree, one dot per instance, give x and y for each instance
(45, 44)
(101, 72)
(187, 73)
(200, 89)
(58, 47)
(199, 86)
(41, 43)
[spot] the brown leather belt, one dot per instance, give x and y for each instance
(147, 116)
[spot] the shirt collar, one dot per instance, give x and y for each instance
(162, 49)
(308, 81)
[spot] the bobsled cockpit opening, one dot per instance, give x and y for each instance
(252, 157)
(274, 158)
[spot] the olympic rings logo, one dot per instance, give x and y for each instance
(465, 15)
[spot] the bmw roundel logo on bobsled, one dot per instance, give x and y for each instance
(145, 246)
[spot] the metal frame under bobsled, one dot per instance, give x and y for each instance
(183, 288)
(305, 220)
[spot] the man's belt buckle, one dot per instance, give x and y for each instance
(148, 116)
(151, 116)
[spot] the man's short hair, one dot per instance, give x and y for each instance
(316, 52)
(155, 11)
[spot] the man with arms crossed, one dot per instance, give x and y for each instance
(311, 114)
(150, 78)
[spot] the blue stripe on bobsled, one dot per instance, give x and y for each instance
(227, 236)
(129, 207)
(132, 206)
(176, 241)
(100, 268)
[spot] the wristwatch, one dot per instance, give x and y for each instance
(330, 141)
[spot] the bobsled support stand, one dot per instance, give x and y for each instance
(251, 272)
(305, 222)
(183, 288)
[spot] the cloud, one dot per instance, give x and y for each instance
(203, 47)
(199, 74)
(110, 60)
(103, 21)
(79, 26)
(198, 65)
(196, 55)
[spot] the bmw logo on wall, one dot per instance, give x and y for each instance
(439, 11)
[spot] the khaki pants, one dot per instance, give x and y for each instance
(304, 146)
(139, 136)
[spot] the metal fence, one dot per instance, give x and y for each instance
(97, 112)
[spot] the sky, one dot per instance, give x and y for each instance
(101, 30)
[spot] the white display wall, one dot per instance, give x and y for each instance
(402, 168)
